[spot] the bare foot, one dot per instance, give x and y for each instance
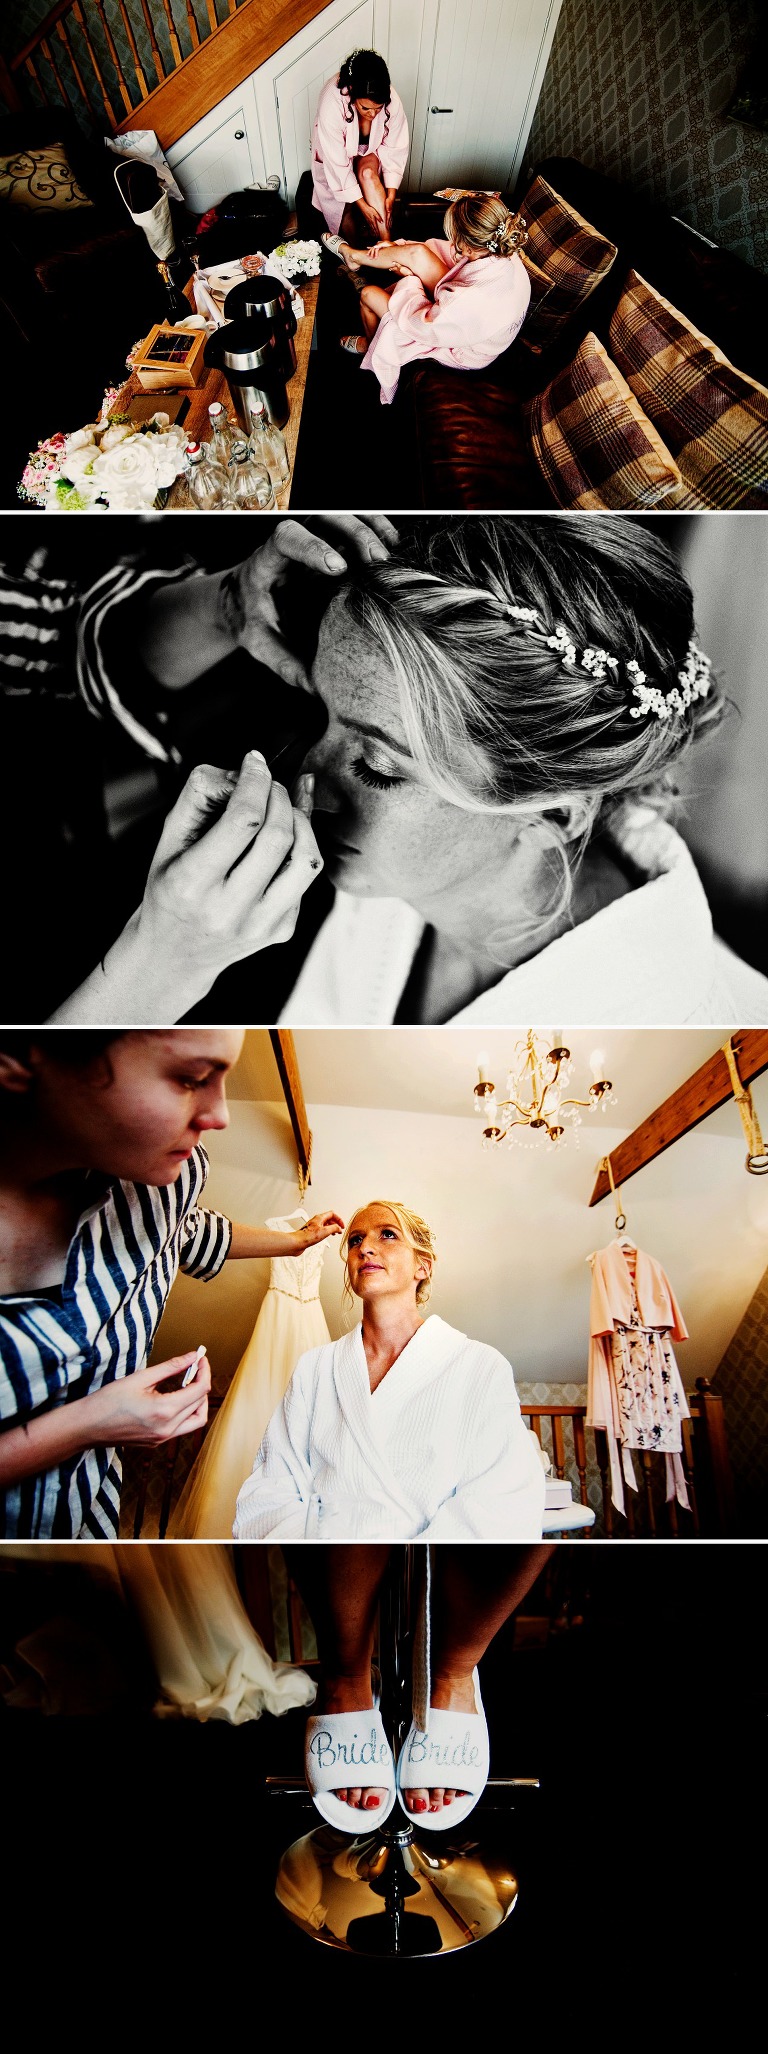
(352, 1694)
(448, 1694)
(350, 256)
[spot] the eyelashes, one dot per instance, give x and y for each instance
(376, 780)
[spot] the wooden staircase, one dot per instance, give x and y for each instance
(161, 64)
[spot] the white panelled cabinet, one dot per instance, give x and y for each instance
(468, 72)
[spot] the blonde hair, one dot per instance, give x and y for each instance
(414, 1230)
(555, 747)
(478, 223)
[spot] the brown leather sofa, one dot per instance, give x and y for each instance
(465, 428)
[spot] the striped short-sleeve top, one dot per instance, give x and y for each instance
(52, 634)
(58, 1346)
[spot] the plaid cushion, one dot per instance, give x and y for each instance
(713, 417)
(572, 253)
(541, 285)
(591, 439)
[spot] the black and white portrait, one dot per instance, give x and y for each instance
(375, 770)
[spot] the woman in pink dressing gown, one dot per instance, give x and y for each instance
(461, 300)
(359, 146)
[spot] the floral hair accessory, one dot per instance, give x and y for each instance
(693, 681)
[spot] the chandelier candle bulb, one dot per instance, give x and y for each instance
(537, 1105)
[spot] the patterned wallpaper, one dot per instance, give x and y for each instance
(742, 1382)
(636, 88)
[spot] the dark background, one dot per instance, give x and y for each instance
(143, 1852)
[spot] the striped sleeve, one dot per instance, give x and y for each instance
(205, 1236)
(111, 679)
(205, 1242)
(38, 628)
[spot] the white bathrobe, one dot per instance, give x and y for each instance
(438, 1451)
(648, 959)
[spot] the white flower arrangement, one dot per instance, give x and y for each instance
(295, 259)
(111, 463)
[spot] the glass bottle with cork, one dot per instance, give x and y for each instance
(269, 440)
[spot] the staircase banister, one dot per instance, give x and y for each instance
(44, 29)
(227, 57)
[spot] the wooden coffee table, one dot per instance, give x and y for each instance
(196, 424)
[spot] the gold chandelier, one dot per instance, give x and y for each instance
(537, 1100)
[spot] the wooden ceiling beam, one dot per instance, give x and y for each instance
(702, 1094)
(284, 1048)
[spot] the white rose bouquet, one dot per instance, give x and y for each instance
(113, 463)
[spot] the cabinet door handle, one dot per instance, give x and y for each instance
(441, 110)
(239, 133)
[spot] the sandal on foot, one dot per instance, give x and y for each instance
(349, 1750)
(453, 1753)
(335, 245)
(351, 343)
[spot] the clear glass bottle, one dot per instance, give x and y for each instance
(270, 442)
(222, 434)
(250, 489)
(207, 481)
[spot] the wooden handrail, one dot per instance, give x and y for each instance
(222, 56)
(704, 1445)
(227, 57)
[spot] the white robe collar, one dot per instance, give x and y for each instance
(369, 1415)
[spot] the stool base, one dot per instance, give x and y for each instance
(393, 1894)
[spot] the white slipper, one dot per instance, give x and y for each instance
(349, 1750)
(351, 343)
(452, 1754)
(333, 244)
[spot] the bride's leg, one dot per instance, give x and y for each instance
(421, 262)
(474, 1591)
(374, 300)
(340, 1587)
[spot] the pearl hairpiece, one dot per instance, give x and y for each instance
(693, 681)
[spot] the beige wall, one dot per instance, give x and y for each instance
(513, 1230)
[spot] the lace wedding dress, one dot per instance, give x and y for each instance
(290, 1321)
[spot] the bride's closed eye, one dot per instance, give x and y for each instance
(377, 780)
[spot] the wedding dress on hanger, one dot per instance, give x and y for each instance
(290, 1321)
(208, 1660)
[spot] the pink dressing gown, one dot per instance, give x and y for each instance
(336, 143)
(477, 310)
(635, 1391)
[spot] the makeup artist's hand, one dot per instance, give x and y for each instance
(138, 1409)
(248, 595)
(230, 870)
(321, 1225)
(232, 865)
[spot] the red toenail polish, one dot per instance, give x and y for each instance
(420, 1804)
(371, 1803)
